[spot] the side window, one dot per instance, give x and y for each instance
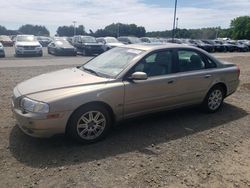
(151, 58)
(190, 60)
(210, 64)
(156, 64)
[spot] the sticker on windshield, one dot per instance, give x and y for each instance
(133, 51)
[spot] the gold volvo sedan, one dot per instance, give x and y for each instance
(125, 82)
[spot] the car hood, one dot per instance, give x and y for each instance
(34, 43)
(61, 79)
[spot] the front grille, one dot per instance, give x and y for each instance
(29, 47)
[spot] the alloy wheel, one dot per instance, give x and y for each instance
(215, 99)
(91, 125)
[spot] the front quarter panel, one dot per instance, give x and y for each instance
(69, 99)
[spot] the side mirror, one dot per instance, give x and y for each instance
(139, 76)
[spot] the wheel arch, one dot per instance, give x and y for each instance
(99, 103)
(220, 84)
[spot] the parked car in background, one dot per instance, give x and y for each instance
(70, 39)
(150, 40)
(176, 41)
(204, 46)
(163, 40)
(238, 46)
(189, 42)
(217, 47)
(246, 42)
(44, 41)
(229, 47)
(27, 45)
(87, 45)
(122, 83)
(61, 47)
(6, 40)
(109, 42)
(129, 40)
(2, 53)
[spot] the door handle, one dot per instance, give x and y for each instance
(208, 76)
(170, 81)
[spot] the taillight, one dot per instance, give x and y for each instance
(238, 70)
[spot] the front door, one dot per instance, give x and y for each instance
(158, 91)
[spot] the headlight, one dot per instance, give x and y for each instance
(34, 106)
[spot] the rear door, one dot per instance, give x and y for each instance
(194, 77)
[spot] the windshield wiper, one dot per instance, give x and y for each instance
(91, 71)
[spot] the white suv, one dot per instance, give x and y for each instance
(27, 45)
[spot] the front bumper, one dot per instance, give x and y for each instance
(66, 52)
(39, 125)
(20, 51)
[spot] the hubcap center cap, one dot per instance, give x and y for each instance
(91, 124)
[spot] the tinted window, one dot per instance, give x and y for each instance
(156, 64)
(210, 64)
(190, 61)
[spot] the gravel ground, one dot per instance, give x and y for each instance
(182, 148)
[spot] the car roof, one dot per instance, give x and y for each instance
(151, 47)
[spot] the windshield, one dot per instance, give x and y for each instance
(63, 43)
(112, 62)
(112, 40)
(89, 39)
(25, 38)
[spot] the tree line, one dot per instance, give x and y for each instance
(239, 29)
(28, 29)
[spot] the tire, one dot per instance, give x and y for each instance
(82, 126)
(214, 99)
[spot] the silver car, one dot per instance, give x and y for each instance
(124, 82)
(27, 45)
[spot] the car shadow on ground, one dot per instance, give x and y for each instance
(129, 136)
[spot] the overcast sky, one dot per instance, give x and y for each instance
(94, 14)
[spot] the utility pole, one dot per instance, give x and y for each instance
(173, 32)
(74, 22)
(217, 32)
(118, 30)
(177, 19)
(176, 29)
